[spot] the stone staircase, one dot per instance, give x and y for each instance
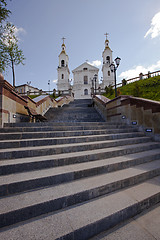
(77, 111)
(74, 176)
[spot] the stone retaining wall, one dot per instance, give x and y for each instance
(131, 110)
(12, 104)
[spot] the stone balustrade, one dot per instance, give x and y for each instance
(12, 104)
(131, 110)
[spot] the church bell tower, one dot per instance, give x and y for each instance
(108, 76)
(63, 83)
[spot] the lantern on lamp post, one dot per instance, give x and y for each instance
(113, 68)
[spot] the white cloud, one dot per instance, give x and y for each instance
(11, 32)
(134, 72)
(54, 81)
(96, 63)
(18, 31)
(154, 30)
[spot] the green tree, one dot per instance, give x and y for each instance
(4, 12)
(10, 54)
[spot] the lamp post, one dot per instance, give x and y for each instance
(95, 79)
(113, 68)
(49, 82)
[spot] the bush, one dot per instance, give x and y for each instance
(118, 92)
(124, 82)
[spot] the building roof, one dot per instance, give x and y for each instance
(39, 98)
(87, 65)
(23, 85)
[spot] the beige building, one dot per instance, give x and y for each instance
(24, 89)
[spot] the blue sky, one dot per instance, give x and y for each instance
(133, 27)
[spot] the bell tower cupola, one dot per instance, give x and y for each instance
(63, 83)
(108, 77)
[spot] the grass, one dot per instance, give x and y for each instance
(147, 88)
(33, 96)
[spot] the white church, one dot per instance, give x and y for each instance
(85, 77)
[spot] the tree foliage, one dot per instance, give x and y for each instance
(10, 54)
(9, 46)
(4, 12)
(109, 90)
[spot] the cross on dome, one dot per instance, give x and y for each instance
(63, 45)
(63, 38)
(106, 41)
(106, 34)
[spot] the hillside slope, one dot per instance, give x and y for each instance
(147, 88)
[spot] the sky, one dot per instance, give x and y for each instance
(133, 27)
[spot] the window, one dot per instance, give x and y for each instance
(85, 79)
(62, 63)
(109, 74)
(62, 76)
(108, 59)
(85, 69)
(85, 91)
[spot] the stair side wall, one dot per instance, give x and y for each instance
(122, 109)
(12, 104)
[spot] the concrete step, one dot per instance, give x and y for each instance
(83, 221)
(63, 119)
(11, 184)
(66, 127)
(48, 134)
(143, 226)
(11, 153)
(76, 120)
(43, 162)
(10, 143)
(74, 113)
(31, 124)
(72, 110)
(64, 195)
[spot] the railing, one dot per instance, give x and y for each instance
(140, 77)
(41, 92)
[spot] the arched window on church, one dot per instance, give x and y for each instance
(62, 63)
(109, 74)
(85, 91)
(85, 79)
(108, 59)
(62, 76)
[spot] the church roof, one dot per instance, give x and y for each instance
(86, 65)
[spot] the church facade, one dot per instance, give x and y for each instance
(85, 76)
(85, 79)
